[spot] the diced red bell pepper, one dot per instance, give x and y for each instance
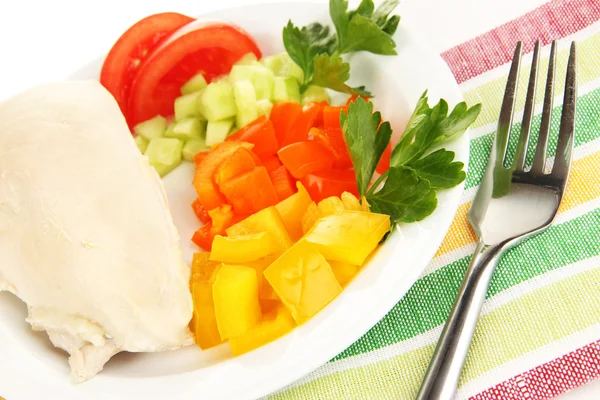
(354, 97)
(299, 130)
(333, 140)
(222, 218)
(319, 118)
(204, 183)
(204, 236)
(305, 157)
(270, 162)
(384, 161)
(331, 116)
(239, 162)
(284, 184)
(200, 212)
(321, 185)
(250, 192)
(259, 132)
(283, 115)
(200, 156)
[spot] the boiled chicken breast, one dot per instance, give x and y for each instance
(86, 236)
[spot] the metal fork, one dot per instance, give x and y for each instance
(511, 205)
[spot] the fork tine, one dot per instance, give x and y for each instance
(539, 160)
(564, 149)
(521, 153)
(508, 105)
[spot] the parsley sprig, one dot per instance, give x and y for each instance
(407, 191)
(318, 51)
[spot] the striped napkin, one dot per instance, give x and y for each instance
(539, 334)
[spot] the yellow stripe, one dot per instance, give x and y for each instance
(583, 186)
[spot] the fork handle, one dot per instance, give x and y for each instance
(441, 379)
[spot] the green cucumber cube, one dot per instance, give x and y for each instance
(264, 107)
(188, 128)
(164, 154)
(247, 59)
(217, 131)
(282, 65)
(141, 143)
(314, 94)
(195, 84)
(259, 76)
(245, 101)
(216, 101)
(193, 147)
(186, 106)
(152, 128)
(286, 89)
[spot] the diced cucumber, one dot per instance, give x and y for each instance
(282, 65)
(264, 107)
(188, 128)
(193, 147)
(164, 154)
(286, 89)
(187, 106)
(195, 84)
(247, 59)
(216, 101)
(217, 131)
(141, 143)
(314, 94)
(152, 128)
(245, 101)
(259, 76)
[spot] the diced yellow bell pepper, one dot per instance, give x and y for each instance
(274, 325)
(343, 272)
(350, 202)
(303, 280)
(348, 237)
(311, 216)
(365, 205)
(265, 291)
(266, 220)
(292, 209)
(235, 294)
(204, 322)
(243, 248)
(202, 267)
(268, 305)
(330, 205)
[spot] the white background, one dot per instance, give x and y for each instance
(47, 40)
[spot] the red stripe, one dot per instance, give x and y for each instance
(549, 22)
(551, 379)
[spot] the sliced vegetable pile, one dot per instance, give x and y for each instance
(279, 267)
(293, 193)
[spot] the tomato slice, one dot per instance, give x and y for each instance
(210, 49)
(123, 60)
(321, 185)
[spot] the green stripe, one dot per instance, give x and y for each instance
(490, 93)
(521, 326)
(587, 128)
(428, 302)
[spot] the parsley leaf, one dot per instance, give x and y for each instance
(439, 169)
(428, 127)
(356, 30)
(380, 16)
(331, 72)
(366, 138)
(405, 196)
(304, 44)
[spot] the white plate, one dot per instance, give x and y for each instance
(31, 368)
